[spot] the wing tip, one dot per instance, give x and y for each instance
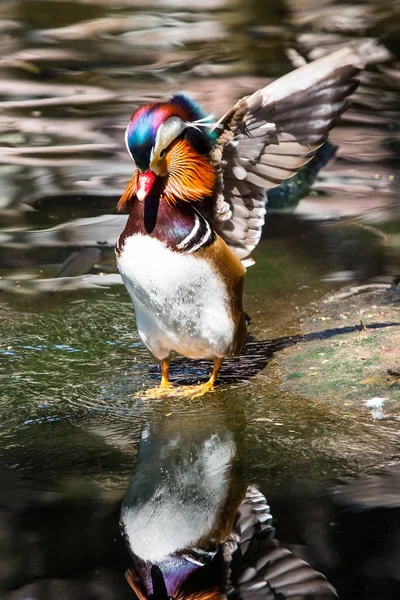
(314, 72)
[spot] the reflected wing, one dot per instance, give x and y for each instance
(259, 568)
(268, 136)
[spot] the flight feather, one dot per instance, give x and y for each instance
(268, 136)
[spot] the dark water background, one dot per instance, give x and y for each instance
(71, 362)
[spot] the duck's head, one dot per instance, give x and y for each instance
(177, 577)
(169, 143)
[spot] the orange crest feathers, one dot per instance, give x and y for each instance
(128, 194)
(210, 594)
(191, 177)
(135, 584)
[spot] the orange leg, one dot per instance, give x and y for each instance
(165, 382)
(215, 372)
(166, 390)
(200, 390)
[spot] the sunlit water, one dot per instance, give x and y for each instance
(72, 364)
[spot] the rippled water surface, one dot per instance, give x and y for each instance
(71, 363)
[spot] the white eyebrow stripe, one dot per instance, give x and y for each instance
(157, 140)
(127, 145)
(167, 133)
(207, 119)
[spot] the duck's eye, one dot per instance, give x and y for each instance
(162, 153)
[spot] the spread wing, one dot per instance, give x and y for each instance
(268, 136)
(259, 568)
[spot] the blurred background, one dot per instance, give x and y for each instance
(313, 405)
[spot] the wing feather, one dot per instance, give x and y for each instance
(258, 567)
(268, 136)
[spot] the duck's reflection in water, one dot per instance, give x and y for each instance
(194, 531)
(65, 545)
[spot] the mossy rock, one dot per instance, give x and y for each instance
(350, 352)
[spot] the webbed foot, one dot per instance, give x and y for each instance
(193, 391)
(157, 393)
(167, 390)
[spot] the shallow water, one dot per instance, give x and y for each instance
(71, 363)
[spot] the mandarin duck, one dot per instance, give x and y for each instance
(193, 530)
(196, 203)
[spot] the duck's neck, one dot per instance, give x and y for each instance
(179, 226)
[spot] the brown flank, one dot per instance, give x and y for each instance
(231, 270)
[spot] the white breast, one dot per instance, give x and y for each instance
(181, 302)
